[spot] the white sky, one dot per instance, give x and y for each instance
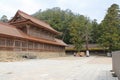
(95, 9)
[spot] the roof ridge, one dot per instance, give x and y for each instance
(19, 11)
(11, 30)
(37, 21)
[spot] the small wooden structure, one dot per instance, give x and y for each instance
(25, 33)
(94, 49)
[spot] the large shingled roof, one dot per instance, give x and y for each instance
(10, 30)
(36, 21)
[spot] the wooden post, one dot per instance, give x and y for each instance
(20, 45)
(43, 46)
(28, 29)
(13, 45)
(27, 47)
(5, 43)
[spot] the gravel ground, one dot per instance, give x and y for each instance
(62, 68)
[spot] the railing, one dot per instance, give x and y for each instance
(116, 63)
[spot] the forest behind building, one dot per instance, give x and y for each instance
(76, 27)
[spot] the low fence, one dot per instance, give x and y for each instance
(116, 63)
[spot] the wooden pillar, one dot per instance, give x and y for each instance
(28, 29)
(33, 46)
(13, 45)
(27, 46)
(20, 45)
(43, 46)
(5, 43)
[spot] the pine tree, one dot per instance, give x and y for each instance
(4, 18)
(95, 32)
(80, 32)
(110, 27)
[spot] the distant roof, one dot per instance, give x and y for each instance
(90, 46)
(84, 46)
(10, 30)
(34, 20)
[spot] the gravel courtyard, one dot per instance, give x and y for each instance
(63, 68)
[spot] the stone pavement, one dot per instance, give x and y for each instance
(64, 68)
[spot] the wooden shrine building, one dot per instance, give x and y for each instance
(26, 35)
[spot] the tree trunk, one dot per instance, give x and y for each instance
(109, 54)
(87, 50)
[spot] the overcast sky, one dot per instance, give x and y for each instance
(95, 9)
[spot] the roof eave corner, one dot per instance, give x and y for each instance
(59, 33)
(14, 16)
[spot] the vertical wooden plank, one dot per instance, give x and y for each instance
(28, 28)
(13, 45)
(5, 43)
(20, 45)
(27, 46)
(43, 46)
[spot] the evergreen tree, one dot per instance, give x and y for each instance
(80, 32)
(59, 20)
(95, 31)
(4, 18)
(72, 26)
(110, 28)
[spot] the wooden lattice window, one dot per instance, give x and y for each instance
(2, 42)
(45, 46)
(62, 48)
(41, 46)
(51, 47)
(24, 44)
(17, 43)
(36, 45)
(30, 45)
(48, 47)
(9, 42)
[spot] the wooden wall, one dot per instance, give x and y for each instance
(39, 32)
(25, 45)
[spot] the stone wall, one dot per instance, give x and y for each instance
(30, 54)
(116, 63)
